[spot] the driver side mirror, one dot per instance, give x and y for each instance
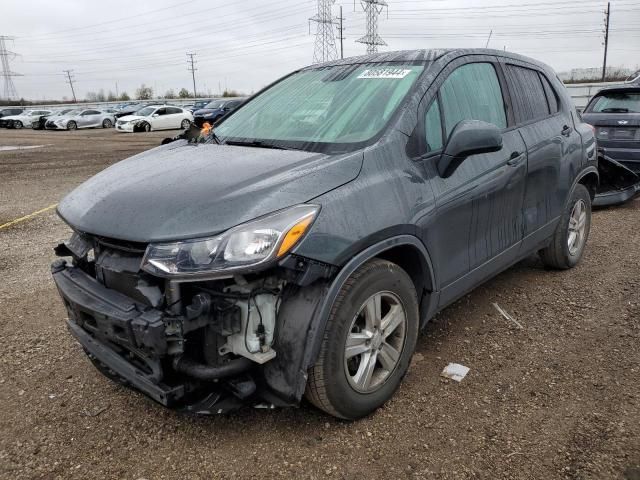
(155, 115)
(468, 137)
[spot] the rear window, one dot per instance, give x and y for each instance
(616, 102)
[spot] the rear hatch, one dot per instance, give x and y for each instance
(615, 114)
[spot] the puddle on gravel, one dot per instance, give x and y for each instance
(9, 148)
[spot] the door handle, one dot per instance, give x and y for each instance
(566, 130)
(516, 158)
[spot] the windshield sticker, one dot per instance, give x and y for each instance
(385, 72)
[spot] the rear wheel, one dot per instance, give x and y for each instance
(570, 237)
(17, 124)
(368, 342)
(185, 124)
(106, 123)
(72, 125)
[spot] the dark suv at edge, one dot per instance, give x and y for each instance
(301, 247)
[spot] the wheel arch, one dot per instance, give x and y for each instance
(590, 178)
(303, 316)
(408, 252)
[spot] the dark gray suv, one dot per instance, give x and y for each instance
(299, 248)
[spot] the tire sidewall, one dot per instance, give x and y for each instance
(579, 193)
(185, 124)
(17, 124)
(106, 123)
(348, 402)
(72, 125)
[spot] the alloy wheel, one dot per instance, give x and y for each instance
(375, 341)
(577, 226)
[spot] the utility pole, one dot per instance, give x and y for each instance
(10, 92)
(325, 45)
(606, 39)
(341, 27)
(192, 69)
(372, 8)
(70, 82)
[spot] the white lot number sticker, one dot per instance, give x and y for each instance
(385, 72)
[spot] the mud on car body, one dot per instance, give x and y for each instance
(302, 246)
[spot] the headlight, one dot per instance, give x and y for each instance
(246, 246)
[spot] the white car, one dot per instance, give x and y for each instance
(155, 117)
(25, 118)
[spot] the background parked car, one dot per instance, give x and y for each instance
(155, 117)
(198, 104)
(81, 118)
(22, 119)
(215, 110)
(6, 112)
(40, 122)
(129, 109)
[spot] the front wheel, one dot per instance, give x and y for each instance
(368, 342)
(569, 240)
(17, 124)
(146, 127)
(72, 125)
(185, 124)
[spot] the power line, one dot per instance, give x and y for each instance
(70, 82)
(192, 69)
(372, 9)
(324, 49)
(10, 92)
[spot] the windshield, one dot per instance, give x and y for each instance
(618, 102)
(215, 104)
(146, 111)
(345, 104)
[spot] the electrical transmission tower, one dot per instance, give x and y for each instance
(192, 69)
(10, 92)
(70, 82)
(372, 8)
(325, 45)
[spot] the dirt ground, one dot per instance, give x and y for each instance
(558, 399)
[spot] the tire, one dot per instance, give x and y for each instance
(566, 249)
(146, 127)
(185, 124)
(72, 125)
(17, 124)
(106, 123)
(337, 383)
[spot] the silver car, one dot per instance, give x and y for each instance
(81, 118)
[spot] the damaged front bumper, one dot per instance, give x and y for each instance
(143, 347)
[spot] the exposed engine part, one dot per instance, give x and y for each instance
(258, 305)
(211, 373)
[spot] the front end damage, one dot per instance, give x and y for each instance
(199, 346)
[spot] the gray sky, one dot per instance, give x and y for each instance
(246, 44)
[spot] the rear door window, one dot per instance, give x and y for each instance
(173, 110)
(527, 93)
(472, 92)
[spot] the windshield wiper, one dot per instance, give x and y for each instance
(258, 144)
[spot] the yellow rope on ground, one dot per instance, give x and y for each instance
(27, 217)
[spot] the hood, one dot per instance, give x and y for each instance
(127, 118)
(179, 191)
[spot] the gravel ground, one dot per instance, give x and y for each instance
(556, 399)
